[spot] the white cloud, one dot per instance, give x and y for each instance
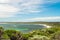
(7, 11)
(29, 5)
(4, 1)
(36, 11)
(26, 6)
(52, 1)
(6, 15)
(31, 2)
(8, 8)
(44, 19)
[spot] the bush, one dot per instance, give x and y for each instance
(14, 35)
(5, 37)
(56, 36)
(38, 37)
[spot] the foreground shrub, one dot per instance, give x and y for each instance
(14, 35)
(56, 36)
(5, 37)
(38, 37)
(25, 36)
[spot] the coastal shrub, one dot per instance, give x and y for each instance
(40, 34)
(1, 31)
(5, 37)
(38, 37)
(25, 36)
(14, 35)
(56, 36)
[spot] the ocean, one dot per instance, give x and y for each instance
(22, 27)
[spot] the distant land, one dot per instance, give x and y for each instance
(47, 23)
(29, 22)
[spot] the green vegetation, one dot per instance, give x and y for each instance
(52, 33)
(41, 34)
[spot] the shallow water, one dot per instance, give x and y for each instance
(22, 27)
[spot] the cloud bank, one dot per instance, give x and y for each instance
(11, 8)
(52, 19)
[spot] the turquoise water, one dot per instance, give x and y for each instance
(22, 27)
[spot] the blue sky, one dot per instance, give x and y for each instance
(29, 10)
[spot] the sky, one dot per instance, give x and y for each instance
(29, 10)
